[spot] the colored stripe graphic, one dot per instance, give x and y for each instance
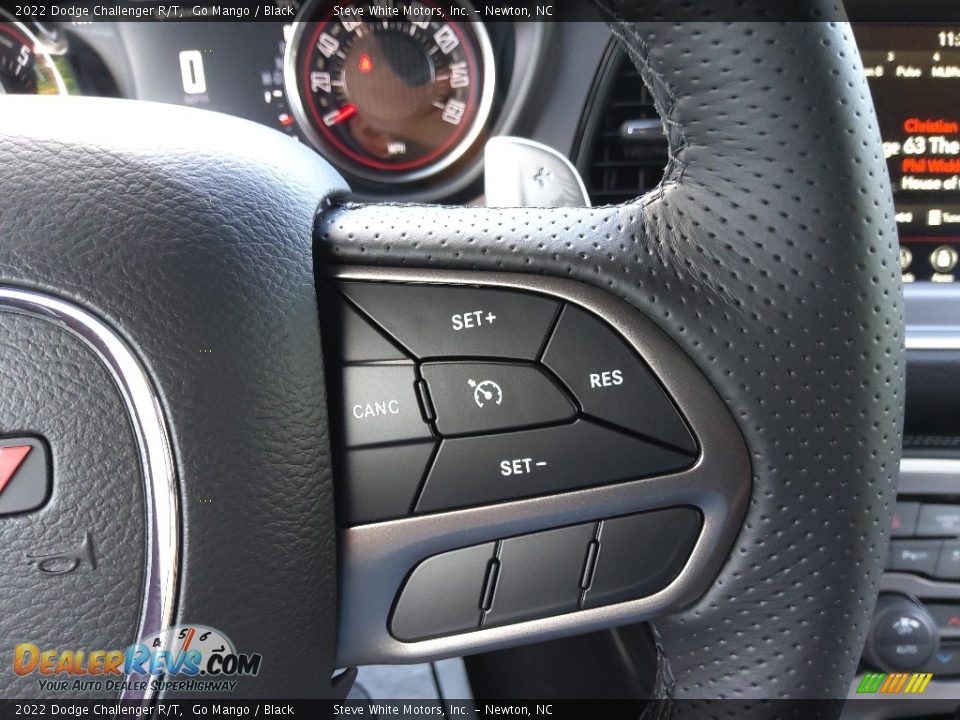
(912, 683)
(901, 682)
(870, 683)
(918, 683)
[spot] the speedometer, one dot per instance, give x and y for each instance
(25, 69)
(390, 93)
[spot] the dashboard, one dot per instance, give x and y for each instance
(400, 102)
(403, 102)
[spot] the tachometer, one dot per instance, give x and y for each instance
(390, 93)
(25, 69)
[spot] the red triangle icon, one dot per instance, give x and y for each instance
(11, 458)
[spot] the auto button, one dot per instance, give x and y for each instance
(471, 398)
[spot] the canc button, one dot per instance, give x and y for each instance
(380, 405)
(611, 382)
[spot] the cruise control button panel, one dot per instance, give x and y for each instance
(456, 396)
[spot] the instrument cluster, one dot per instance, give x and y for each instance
(399, 97)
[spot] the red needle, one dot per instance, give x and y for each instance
(346, 112)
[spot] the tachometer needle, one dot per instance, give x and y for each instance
(344, 113)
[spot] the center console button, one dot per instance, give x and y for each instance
(473, 398)
(948, 566)
(493, 468)
(539, 575)
(904, 520)
(453, 321)
(611, 382)
(380, 405)
(914, 556)
(946, 615)
(938, 521)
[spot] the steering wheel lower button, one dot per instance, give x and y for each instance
(443, 594)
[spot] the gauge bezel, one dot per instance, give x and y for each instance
(352, 168)
(38, 50)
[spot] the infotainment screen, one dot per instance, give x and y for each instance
(914, 75)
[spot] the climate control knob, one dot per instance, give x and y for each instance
(903, 635)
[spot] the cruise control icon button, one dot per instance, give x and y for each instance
(486, 391)
(24, 474)
(479, 397)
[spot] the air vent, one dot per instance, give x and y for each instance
(623, 151)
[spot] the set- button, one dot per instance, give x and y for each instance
(493, 468)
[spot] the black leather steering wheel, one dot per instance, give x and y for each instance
(188, 244)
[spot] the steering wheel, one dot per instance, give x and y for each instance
(159, 274)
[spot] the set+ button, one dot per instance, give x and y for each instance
(452, 321)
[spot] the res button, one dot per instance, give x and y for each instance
(445, 321)
(611, 382)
